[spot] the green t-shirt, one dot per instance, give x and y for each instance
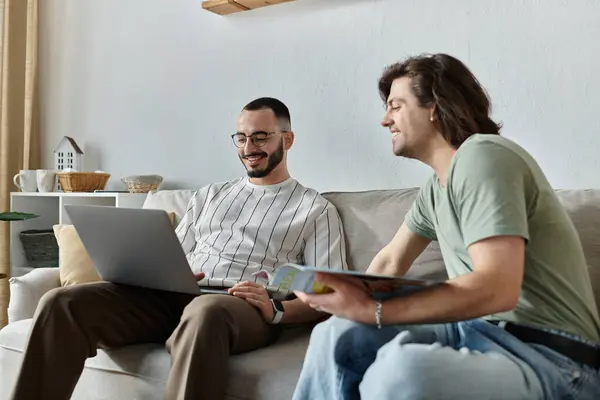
(494, 187)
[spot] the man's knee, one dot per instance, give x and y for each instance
(57, 298)
(410, 370)
(205, 311)
(339, 338)
(332, 329)
(67, 298)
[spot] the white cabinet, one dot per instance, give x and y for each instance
(50, 208)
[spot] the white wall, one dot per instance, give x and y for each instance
(155, 86)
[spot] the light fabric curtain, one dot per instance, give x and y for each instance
(19, 137)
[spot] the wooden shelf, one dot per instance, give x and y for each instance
(224, 7)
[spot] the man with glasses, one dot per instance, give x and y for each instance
(232, 233)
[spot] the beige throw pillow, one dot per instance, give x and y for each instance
(75, 265)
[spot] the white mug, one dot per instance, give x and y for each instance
(46, 178)
(26, 180)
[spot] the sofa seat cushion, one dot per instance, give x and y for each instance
(268, 373)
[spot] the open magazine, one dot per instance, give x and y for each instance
(294, 277)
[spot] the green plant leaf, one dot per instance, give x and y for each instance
(16, 216)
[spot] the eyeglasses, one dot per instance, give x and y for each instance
(259, 139)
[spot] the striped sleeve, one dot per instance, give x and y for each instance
(186, 229)
(325, 244)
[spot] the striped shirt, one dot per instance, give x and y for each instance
(234, 229)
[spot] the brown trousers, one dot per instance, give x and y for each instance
(200, 333)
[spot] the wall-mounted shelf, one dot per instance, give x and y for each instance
(224, 7)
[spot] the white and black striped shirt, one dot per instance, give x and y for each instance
(232, 230)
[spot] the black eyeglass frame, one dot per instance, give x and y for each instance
(253, 138)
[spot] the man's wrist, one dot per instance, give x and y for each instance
(278, 310)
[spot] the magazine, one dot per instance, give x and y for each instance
(294, 277)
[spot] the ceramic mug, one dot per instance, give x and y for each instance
(26, 180)
(46, 179)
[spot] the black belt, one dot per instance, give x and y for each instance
(575, 350)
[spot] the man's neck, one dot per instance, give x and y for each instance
(273, 178)
(439, 158)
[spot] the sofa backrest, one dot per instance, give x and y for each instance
(371, 218)
(173, 201)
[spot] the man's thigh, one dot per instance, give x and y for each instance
(404, 369)
(117, 315)
(243, 323)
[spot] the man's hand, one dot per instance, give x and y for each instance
(199, 276)
(350, 299)
(255, 295)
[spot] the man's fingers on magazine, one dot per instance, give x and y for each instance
(381, 286)
(338, 282)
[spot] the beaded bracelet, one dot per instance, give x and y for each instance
(378, 314)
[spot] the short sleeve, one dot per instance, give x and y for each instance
(490, 185)
(418, 218)
(325, 243)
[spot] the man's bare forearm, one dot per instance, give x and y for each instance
(466, 297)
(398, 256)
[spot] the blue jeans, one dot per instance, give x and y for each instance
(466, 360)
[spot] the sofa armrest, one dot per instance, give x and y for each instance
(27, 290)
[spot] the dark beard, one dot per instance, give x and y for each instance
(273, 161)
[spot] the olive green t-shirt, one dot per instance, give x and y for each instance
(495, 187)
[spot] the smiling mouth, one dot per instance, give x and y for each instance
(254, 159)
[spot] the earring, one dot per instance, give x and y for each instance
(431, 119)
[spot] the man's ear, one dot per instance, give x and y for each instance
(288, 140)
(432, 113)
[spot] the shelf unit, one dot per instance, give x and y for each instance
(50, 208)
(224, 7)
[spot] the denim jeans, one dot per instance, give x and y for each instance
(466, 360)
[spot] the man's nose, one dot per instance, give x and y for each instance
(387, 121)
(249, 147)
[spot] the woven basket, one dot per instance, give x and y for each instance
(142, 183)
(82, 181)
(41, 248)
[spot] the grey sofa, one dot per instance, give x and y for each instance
(139, 372)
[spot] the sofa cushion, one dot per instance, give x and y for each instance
(76, 265)
(172, 201)
(27, 290)
(270, 373)
(371, 219)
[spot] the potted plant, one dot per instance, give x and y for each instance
(16, 216)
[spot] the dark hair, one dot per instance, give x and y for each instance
(462, 106)
(279, 109)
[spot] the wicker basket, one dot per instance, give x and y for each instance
(82, 181)
(142, 183)
(41, 248)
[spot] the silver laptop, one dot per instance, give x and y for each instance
(135, 247)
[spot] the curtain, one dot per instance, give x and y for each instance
(19, 137)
